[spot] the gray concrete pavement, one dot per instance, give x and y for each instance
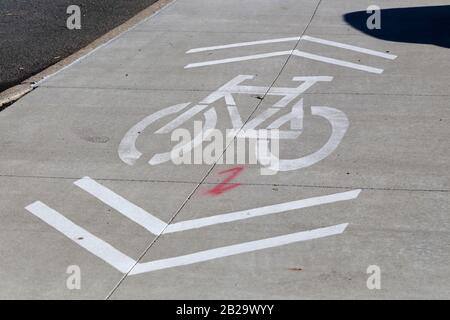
(395, 151)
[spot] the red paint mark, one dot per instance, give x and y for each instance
(225, 186)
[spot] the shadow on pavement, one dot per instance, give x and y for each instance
(427, 25)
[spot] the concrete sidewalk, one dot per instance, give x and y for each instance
(379, 197)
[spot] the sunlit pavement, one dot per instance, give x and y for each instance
(359, 208)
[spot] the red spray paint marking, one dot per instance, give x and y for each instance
(225, 186)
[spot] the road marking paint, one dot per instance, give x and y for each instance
(306, 38)
(289, 93)
(235, 117)
(124, 263)
(262, 211)
(210, 123)
(237, 59)
(297, 53)
(339, 125)
(129, 154)
(295, 118)
(238, 249)
(127, 150)
(84, 238)
(122, 205)
(350, 47)
(260, 118)
(178, 121)
(156, 226)
(242, 44)
(338, 62)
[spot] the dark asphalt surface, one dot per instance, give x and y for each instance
(33, 33)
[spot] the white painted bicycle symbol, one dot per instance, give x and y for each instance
(338, 121)
(130, 154)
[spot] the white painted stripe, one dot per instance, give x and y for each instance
(339, 125)
(178, 121)
(256, 212)
(156, 226)
(350, 47)
(235, 117)
(298, 53)
(127, 151)
(306, 38)
(295, 118)
(260, 118)
(124, 263)
(210, 123)
(122, 205)
(84, 238)
(338, 62)
(242, 44)
(236, 59)
(237, 249)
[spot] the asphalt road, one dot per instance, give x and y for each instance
(33, 34)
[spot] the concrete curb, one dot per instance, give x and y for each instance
(11, 95)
